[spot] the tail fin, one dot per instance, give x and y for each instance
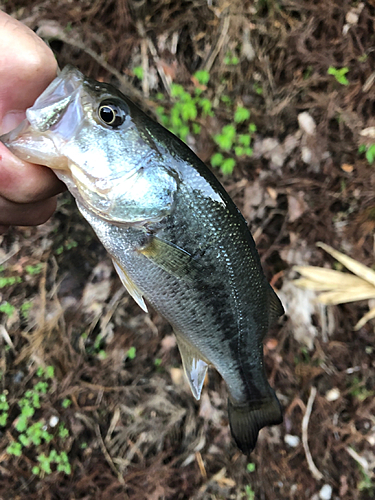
(246, 420)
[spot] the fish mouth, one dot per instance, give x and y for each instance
(55, 117)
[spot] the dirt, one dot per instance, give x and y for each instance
(134, 429)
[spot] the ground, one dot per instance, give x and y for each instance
(114, 418)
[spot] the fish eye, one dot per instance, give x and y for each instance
(112, 114)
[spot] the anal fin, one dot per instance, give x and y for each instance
(131, 287)
(194, 366)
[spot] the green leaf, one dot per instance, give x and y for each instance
(44, 463)
(339, 74)
(10, 280)
(239, 150)
(226, 99)
(35, 470)
(131, 353)
(244, 139)
(206, 106)
(217, 159)
(225, 139)
(202, 76)
(177, 90)
(63, 431)
(252, 127)
(250, 467)
(50, 372)
(184, 132)
(229, 130)
(241, 115)
(15, 448)
(196, 128)
(228, 165)
(66, 403)
(25, 308)
(32, 270)
(24, 440)
(22, 421)
(370, 153)
(138, 72)
(7, 308)
(189, 111)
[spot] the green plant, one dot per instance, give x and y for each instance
(182, 119)
(36, 269)
(258, 88)
(249, 492)
(369, 150)
(45, 461)
(66, 403)
(131, 353)
(9, 280)
(231, 59)
(230, 140)
(190, 108)
(7, 308)
(25, 308)
(35, 434)
(366, 484)
(359, 390)
(339, 74)
(68, 245)
(4, 407)
(138, 72)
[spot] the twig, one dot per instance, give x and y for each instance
(305, 423)
(360, 460)
(214, 53)
(55, 32)
(107, 455)
(4, 333)
(166, 80)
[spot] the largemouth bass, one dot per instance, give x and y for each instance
(177, 240)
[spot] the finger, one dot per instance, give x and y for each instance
(27, 214)
(27, 65)
(23, 182)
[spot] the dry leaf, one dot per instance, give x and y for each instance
(339, 287)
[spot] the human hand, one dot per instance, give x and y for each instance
(27, 66)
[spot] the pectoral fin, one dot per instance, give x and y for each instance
(195, 368)
(131, 287)
(169, 257)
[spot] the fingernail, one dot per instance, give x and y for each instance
(11, 120)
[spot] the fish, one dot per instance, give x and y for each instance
(177, 240)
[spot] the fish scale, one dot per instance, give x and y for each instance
(177, 240)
